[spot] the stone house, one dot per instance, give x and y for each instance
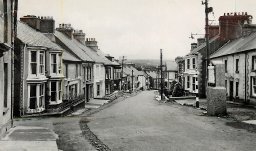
(39, 72)
(239, 58)
(181, 68)
(8, 22)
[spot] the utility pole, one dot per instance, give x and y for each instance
(161, 70)
(122, 72)
(207, 11)
(132, 80)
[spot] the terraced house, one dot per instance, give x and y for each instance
(8, 21)
(40, 72)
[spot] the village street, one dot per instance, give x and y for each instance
(141, 123)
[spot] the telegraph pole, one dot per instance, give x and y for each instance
(122, 72)
(207, 11)
(161, 70)
(132, 80)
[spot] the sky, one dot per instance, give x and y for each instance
(137, 29)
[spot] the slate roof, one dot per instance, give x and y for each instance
(72, 46)
(236, 46)
(68, 56)
(128, 71)
(97, 56)
(194, 51)
(31, 37)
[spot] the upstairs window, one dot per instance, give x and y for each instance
(253, 87)
(194, 63)
(60, 63)
(41, 62)
(226, 66)
(5, 85)
(33, 62)
(54, 63)
(188, 63)
(237, 65)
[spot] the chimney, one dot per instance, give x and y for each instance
(200, 41)
(66, 29)
(47, 24)
(44, 24)
(92, 43)
(80, 36)
(32, 21)
(193, 46)
(231, 25)
(213, 31)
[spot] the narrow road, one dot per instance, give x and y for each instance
(140, 123)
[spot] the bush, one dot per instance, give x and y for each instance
(178, 90)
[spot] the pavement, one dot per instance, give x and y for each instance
(141, 123)
(27, 138)
(95, 103)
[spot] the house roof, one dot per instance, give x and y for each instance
(72, 46)
(31, 37)
(128, 70)
(194, 51)
(96, 56)
(69, 57)
(151, 74)
(236, 46)
(171, 66)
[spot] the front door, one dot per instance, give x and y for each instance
(231, 90)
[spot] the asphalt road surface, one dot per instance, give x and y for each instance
(142, 124)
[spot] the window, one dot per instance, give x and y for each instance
(194, 63)
(66, 74)
(188, 82)
(254, 86)
(98, 89)
(188, 63)
(89, 73)
(33, 62)
(237, 88)
(107, 88)
(41, 95)
(226, 84)
(85, 73)
(5, 84)
(41, 62)
(226, 66)
(253, 63)
(33, 97)
(194, 83)
(5, 21)
(237, 65)
(60, 91)
(53, 63)
(53, 91)
(60, 63)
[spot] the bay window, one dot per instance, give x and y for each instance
(41, 62)
(36, 96)
(54, 63)
(37, 62)
(53, 91)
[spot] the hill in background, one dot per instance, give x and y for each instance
(152, 64)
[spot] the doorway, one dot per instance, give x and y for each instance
(231, 90)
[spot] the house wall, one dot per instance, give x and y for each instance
(99, 79)
(142, 81)
(191, 74)
(243, 76)
(5, 58)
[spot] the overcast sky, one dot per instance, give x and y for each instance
(136, 28)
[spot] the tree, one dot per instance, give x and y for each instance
(178, 90)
